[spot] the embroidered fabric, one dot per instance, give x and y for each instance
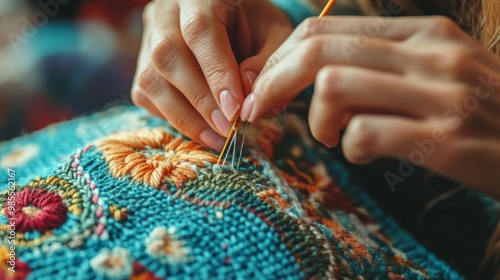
(122, 195)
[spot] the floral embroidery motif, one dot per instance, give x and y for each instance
(116, 263)
(50, 211)
(37, 210)
(163, 246)
(154, 156)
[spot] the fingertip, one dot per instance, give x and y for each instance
(361, 159)
(358, 141)
(323, 125)
(330, 142)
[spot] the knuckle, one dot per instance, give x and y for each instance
(163, 53)
(180, 121)
(310, 52)
(442, 26)
(331, 82)
(194, 27)
(147, 81)
(309, 27)
(201, 100)
(216, 74)
(365, 136)
(454, 60)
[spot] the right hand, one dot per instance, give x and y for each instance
(188, 63)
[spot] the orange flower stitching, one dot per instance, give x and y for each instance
(153, 156)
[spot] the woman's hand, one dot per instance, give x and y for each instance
(412, 88)
(188, 63)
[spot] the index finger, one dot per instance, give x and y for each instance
(207, 38)
(368, 27)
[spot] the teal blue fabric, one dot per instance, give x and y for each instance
(296, 10)
(296, 216)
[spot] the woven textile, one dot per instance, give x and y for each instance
(122, 195)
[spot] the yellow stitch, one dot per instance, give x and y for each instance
(117, 215)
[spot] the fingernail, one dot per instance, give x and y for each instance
(229, 105)
(212, 139)
(220, 121)
(251, 76)
(247, 109)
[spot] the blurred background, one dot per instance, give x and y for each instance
(63, 58)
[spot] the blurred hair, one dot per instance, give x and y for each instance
(487, 29)
(481, 18)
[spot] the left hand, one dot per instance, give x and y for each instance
(187, 69)
(417, 88)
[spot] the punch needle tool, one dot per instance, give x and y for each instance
(327, 8)
(231, 141)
